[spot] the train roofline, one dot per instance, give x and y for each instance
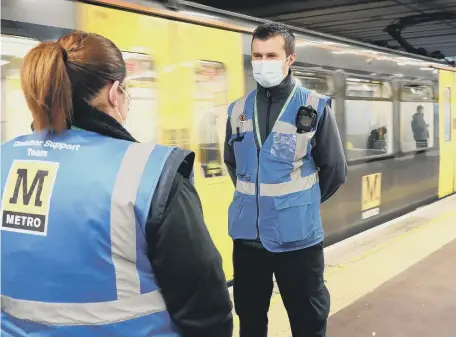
(177, 12)
(326, 36)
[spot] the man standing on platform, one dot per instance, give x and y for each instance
(285, 157)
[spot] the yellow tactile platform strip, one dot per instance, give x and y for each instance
(360, 264)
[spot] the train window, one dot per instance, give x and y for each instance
(211, 103)
(447, 114)
(321, 83)
(357, 87)
(369, 119)
(417, 93)
(417, 117)
(141, 81)
(16, 118)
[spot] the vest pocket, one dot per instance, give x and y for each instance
(283, 146)
(234, 211)
(294, 217)
(242, 217)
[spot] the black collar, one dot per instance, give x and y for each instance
(91, 119)
(279, 92)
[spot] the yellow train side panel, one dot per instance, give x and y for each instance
(141, 36)
(129, 31)
(447, 132)
(209, 75)
(199, 71)
(453, 120)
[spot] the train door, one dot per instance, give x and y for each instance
(447, 130)
(208, 76)
(451, 102)
(452, 99)
(143, 41)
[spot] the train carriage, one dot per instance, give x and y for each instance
(186, 64)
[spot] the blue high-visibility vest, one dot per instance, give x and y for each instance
(74, 251)
(277, 196)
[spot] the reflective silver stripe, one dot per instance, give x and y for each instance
(302, 142)
(313, 98)
(296, 174)
(284, 127)
(300, 184)
(297, 164)
(123, 220)
(245, 187)
(246, 126)
(84, 313)
(237, 111)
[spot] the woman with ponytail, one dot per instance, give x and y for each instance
(101, 235)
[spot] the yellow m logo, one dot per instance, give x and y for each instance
(371, 191)
(27, 194)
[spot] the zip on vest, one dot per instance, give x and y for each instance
(268, 114)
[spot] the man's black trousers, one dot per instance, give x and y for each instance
(299, 275)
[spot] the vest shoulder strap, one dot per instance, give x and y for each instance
(315, 100)
(237, 107)
(179, 161)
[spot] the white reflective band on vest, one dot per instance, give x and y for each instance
(245, 187)
(84, 313)
(123, 221)
(131, 303)
(237, 111)
(302, 142)
(313, 99)
(295, 185)
(284, 127)
(246, 126)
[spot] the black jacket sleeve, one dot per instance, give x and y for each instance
(187, 265)
(328, 154)
(230, 159)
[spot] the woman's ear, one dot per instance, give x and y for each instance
(114, 94)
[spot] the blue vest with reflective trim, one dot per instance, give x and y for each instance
(277, 197)
(74, 251)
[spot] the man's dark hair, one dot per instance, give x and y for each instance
(268, 30)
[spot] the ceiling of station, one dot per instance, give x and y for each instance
(426, 27)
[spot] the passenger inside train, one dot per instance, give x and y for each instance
(420, 128)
